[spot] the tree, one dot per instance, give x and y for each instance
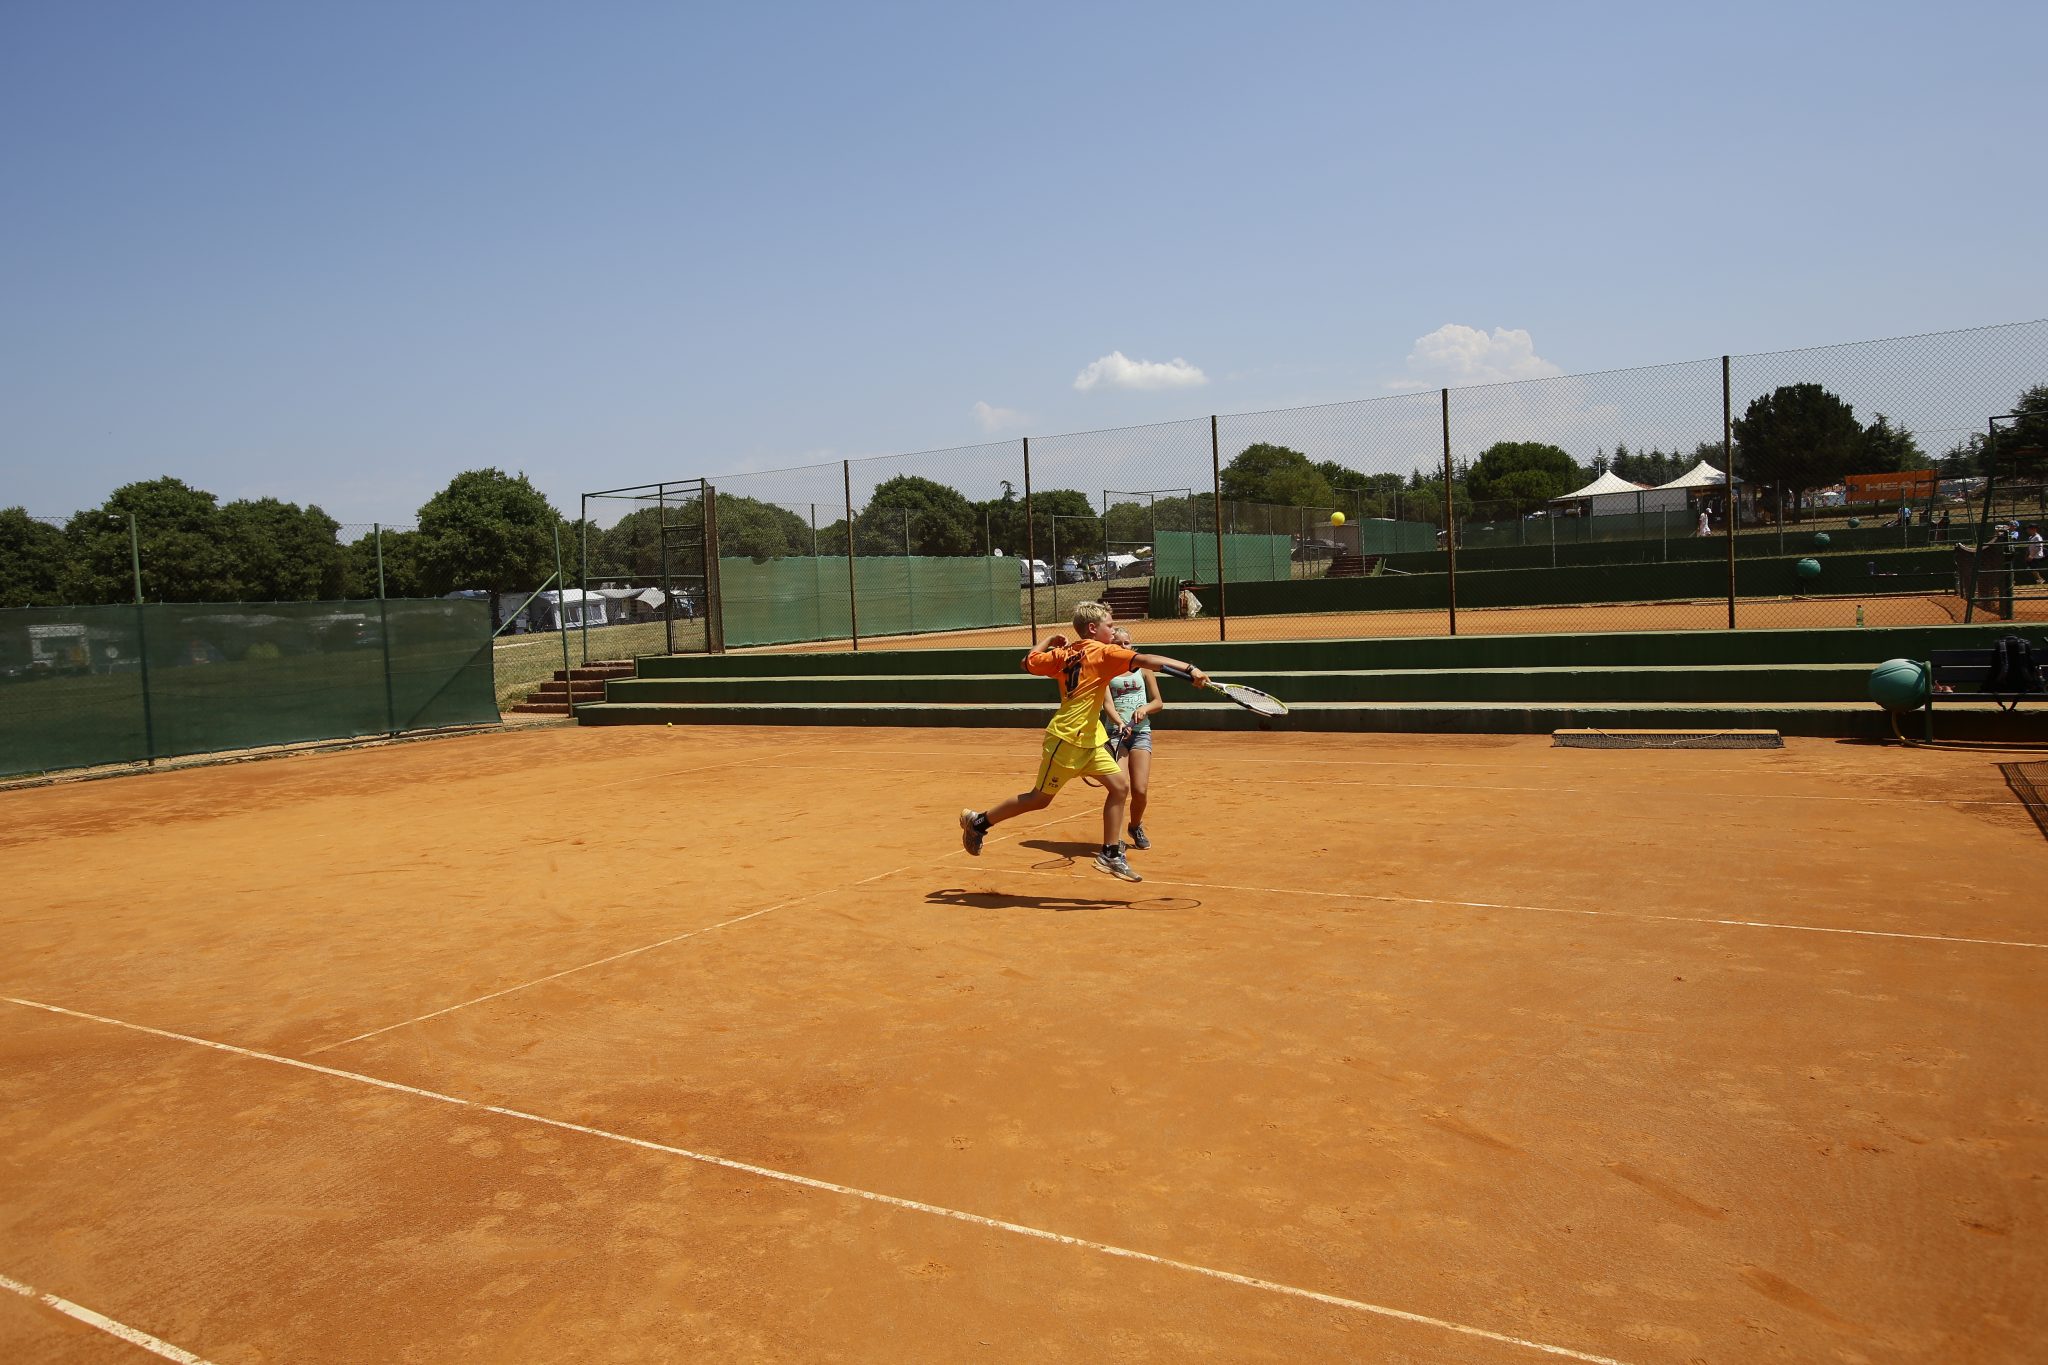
(34, 560)
(1965, 459)
(1079, 530)
(403, 575)
(184, 558)
(2023, 445)
(1522, 474)
(1002, 521)
(746, 527)
(1888, 449)
(488, 530)
(280, 552)
(632, 547)
(1798, 437)
(1275, 474)
(928, 517)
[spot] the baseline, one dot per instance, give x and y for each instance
(100, 1321)
(848, 1191)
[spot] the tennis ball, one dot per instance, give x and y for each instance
(1899, 685)
(1336, 518)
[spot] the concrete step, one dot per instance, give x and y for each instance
(1698, 648)
(1833, 720)
(1741, 684)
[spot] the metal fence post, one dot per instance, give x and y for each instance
(562, 618)
(1215, 516)
(1031, 546)
(714, 586)
(384, 634)
(142, 643)
(1450, 518)
(668, 587)
(1728, 483)
(852, 591)
(583, 571)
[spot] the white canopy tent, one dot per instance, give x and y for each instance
(1612, 495)
(1701, 475)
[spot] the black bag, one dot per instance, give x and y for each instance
(2014, 672)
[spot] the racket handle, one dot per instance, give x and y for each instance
(1179, 673)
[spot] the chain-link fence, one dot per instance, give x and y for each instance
(84, 686)
(1566, 504)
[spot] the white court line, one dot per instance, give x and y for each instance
(1559, 910)
(104, 1323)
(849, 1191)
(1546, 790)
(567, 971)
(643, 948)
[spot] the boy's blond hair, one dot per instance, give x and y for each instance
(1089, 613)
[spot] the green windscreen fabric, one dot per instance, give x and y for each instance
(780, 601)
(1384, 536)
(1247, 558)
(82, 686)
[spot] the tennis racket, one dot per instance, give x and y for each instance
(1250, 698)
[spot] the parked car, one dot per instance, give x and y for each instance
(1311, 550)
(1032, 572)
(1139, 566)
(1070, 571)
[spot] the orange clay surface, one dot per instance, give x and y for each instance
(1806, 613)
(667, 1044)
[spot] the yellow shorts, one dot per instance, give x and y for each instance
(1063, 759)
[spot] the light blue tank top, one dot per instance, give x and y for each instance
(1127, 694)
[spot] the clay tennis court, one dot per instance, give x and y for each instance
(651, 1044)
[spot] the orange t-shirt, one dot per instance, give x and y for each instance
(1083, 670)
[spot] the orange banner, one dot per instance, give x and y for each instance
(1908, 485)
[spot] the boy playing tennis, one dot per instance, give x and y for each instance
(1074, 742)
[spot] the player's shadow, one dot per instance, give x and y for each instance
(1002, 900)
(1059, 850)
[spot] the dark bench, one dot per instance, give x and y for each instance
(1965, 675)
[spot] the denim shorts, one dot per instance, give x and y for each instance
(1141, 740)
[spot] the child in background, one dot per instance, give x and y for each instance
(1134, 699)
(1075, 744)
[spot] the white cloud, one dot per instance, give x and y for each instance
(998, 419)
(1454, 356)
(1118, 371)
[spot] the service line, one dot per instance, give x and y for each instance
(1554, 910)
(650, 947)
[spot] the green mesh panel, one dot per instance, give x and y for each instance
(1247, 558)
(802, 598)
(72, 680)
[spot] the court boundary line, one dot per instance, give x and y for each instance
(650, 947)
(134, 1336)
(1391, 898)
(849, 1191)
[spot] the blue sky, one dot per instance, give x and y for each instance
(337, 254)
